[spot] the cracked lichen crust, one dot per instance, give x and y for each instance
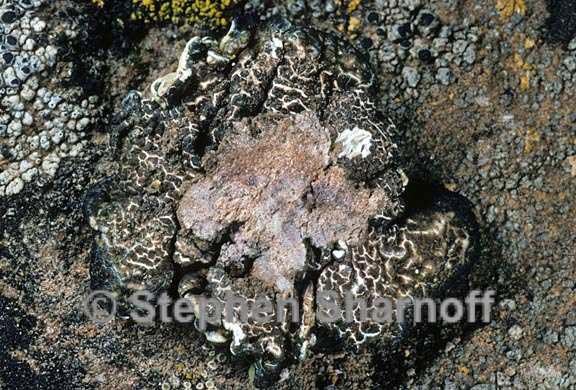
(262, 168)
(412, 258)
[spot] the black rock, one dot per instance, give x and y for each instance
(561, 25)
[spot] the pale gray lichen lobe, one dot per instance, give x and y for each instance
(276, 176)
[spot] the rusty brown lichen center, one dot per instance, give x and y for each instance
(277, 178)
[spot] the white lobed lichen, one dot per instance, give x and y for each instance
(355, 142)
(40, 125)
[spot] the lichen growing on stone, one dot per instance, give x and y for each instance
(212, 12)
(282, 182)
(261, 167)
(41, 123)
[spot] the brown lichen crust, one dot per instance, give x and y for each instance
(274, 177)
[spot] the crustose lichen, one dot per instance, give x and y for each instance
(212, 12)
